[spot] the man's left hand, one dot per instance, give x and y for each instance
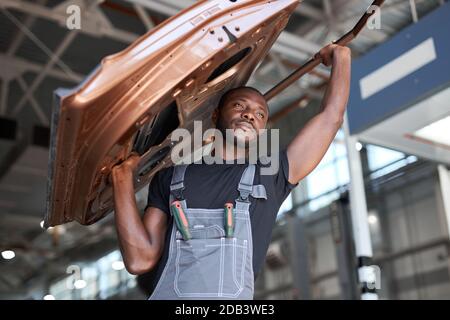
(332, 53)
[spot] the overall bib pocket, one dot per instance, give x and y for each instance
(210, 264)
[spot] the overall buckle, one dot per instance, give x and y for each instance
(243, 196)
(178, 194)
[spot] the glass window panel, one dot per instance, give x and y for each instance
(379, 157)
(322, 180)
(340, 135)
(341, 149)
(342, 171)
(286, 205)
(323, 201)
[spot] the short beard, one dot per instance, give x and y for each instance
(220, 125)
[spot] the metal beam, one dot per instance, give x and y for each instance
(310, 12)
(415, 16)
(289, 39)
(288, 43)
(339, 21)
(20, 65)
(290, 52)
(60, 17)
(37, 109)
(55, 57)
(29, 21)
(263, 70)
(143, 15)
(36, 40)
(15, 44)
(328, 8)
(4, 97)
(284, 72)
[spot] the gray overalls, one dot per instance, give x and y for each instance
(210, 265)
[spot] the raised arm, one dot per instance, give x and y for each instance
(312, 142)
(141, 240)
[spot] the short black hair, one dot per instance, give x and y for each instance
(229, 92)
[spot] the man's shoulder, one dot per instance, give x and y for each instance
(266, 160)
(164, 173)
(271, 165)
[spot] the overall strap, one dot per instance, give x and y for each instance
(259, 191)
(177, 184)
(245, 188)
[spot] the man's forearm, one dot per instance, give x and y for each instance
(312, 142)
(135, 242)
(337, 93)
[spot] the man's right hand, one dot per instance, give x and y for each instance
(141, 239)
(125, 169)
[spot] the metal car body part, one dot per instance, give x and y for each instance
(135, 99)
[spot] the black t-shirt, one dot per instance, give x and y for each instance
(210, 187)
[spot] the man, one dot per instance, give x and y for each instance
(196, 253)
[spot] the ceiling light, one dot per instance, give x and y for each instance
(303, 103)
(373, 219)
(359, 146)
(118, 265)
(79, 284)
(56, 229)
(437, 132)
(49, 297)
(8, 254)
(42, 224)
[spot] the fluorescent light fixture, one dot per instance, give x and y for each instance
(118, 265)
(8, 254)
(437, 132)
(79, 284)
(49, 297)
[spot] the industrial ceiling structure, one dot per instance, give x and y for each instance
(39, 54)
